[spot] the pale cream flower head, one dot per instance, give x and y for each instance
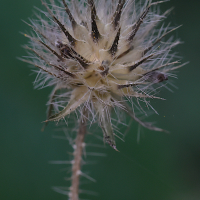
(101, 55)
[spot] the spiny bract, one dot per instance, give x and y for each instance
(100, 54)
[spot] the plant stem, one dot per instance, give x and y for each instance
(76, 167)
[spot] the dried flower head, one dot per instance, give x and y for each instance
(100, 55)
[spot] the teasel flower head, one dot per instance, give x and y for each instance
(101, 55)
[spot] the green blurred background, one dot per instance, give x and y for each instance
(161, 167)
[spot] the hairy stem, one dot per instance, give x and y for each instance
(76, 167)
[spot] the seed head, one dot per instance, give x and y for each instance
(100, 55)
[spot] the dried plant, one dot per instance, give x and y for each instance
(100, 56)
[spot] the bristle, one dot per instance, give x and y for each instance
(71, 18)
(158, 40)
(126, 85)
(161, 66)
(117, 15)
(125, 53)
(144, 124)
(48, 71)
(60, 68)
(138, 23)
(95, 32)
(71, 40)
(38, 31)
(52, 51)
(45, 69)
(132, 67)
(114, 46)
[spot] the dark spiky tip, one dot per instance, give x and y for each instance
(132, 67)
(71, 18)
(138, 23)
(69, 52)
(95, 32)
(71, 40)
(114, 46)
(117, 15)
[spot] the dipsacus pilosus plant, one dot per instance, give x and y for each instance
(100, 56)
